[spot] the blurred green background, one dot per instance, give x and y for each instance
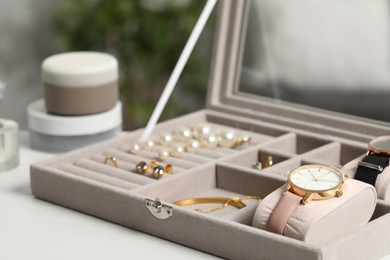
(147, 37)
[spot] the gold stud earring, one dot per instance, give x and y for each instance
(153, 164)
(210, 140)
(177, 150)
(111, 159)
(202, 130)
(227, 138)
(158, 171)
(141, 167)
(164, 154)
(135, 148)
(192, 146)
(148, 144)
(242, 140)
(257, 166)
(183, 134)
(166, 139)
(168, 169)
(269, 162)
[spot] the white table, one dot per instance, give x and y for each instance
(34, 229)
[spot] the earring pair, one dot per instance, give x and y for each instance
(259, 165)
(157, 170)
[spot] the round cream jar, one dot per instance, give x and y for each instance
(54, 133)
(80, 83)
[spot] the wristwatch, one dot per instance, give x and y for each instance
(305, 183)
(375, 161)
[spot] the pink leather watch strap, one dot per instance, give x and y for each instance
(282, 212)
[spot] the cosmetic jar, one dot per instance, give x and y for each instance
(55, 133)
(80, 83)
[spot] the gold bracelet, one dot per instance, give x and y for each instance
(235, 202)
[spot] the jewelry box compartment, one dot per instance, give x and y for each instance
(214, 181)
(294, 149)
(80, 180)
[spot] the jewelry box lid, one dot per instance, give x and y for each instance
(320, 67)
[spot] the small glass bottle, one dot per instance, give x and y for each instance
(9, 144)
(9, 140)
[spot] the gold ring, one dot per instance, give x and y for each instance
(111, 159)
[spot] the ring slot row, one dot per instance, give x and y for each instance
(109, 170)
(153, 169)
(148, 155)
(204, 153)
(100, 177)
(133, 161)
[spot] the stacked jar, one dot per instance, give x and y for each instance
(80, 105)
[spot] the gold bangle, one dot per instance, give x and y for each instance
(111, 159)
(235, 202)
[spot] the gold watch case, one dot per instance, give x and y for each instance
(379, 145)
(321, 194)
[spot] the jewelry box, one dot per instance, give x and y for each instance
(101, 179)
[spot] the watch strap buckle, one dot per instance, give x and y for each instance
(371, 166)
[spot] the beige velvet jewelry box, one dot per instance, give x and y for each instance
(292, 135)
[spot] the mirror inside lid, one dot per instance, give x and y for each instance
(282, 56)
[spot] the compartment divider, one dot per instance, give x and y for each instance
(231, 178)
(336, 153)
(329, 152)
(215, 154)
(283, 169)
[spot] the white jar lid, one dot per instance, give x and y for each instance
(42, 122)
(80, 69)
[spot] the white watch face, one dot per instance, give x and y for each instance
(316, 178)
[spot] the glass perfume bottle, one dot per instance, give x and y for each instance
(9, 145)
(9, 140)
